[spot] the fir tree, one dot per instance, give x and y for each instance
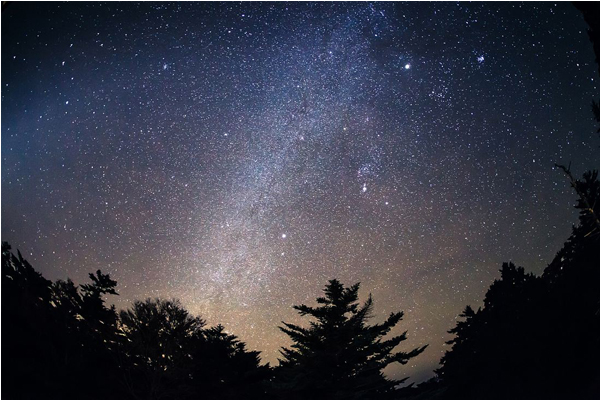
(339, 356)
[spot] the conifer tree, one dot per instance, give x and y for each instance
(339, 356)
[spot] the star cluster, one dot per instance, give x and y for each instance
(237, 156)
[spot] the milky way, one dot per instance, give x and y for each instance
(237, 156)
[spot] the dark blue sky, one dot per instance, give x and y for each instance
(237, 156)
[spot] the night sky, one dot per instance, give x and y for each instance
(237, 156)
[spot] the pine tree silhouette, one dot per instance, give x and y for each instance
(339, 356)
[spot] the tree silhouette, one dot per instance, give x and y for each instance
(222, 368)
(167, 354)
(536, 337)
(156, 339)
(55, 339)
(497, 352)
(339, 356)
(25, 304)
(588, 203)
(61, 341)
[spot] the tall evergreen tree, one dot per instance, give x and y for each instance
(339, 356)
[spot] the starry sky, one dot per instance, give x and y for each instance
(238, 155)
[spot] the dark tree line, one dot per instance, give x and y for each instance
(61, 341)
(536, 337)
(54, 332)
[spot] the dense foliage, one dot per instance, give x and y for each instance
(536, 337)
(61, 341)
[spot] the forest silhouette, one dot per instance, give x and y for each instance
(535, 337)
